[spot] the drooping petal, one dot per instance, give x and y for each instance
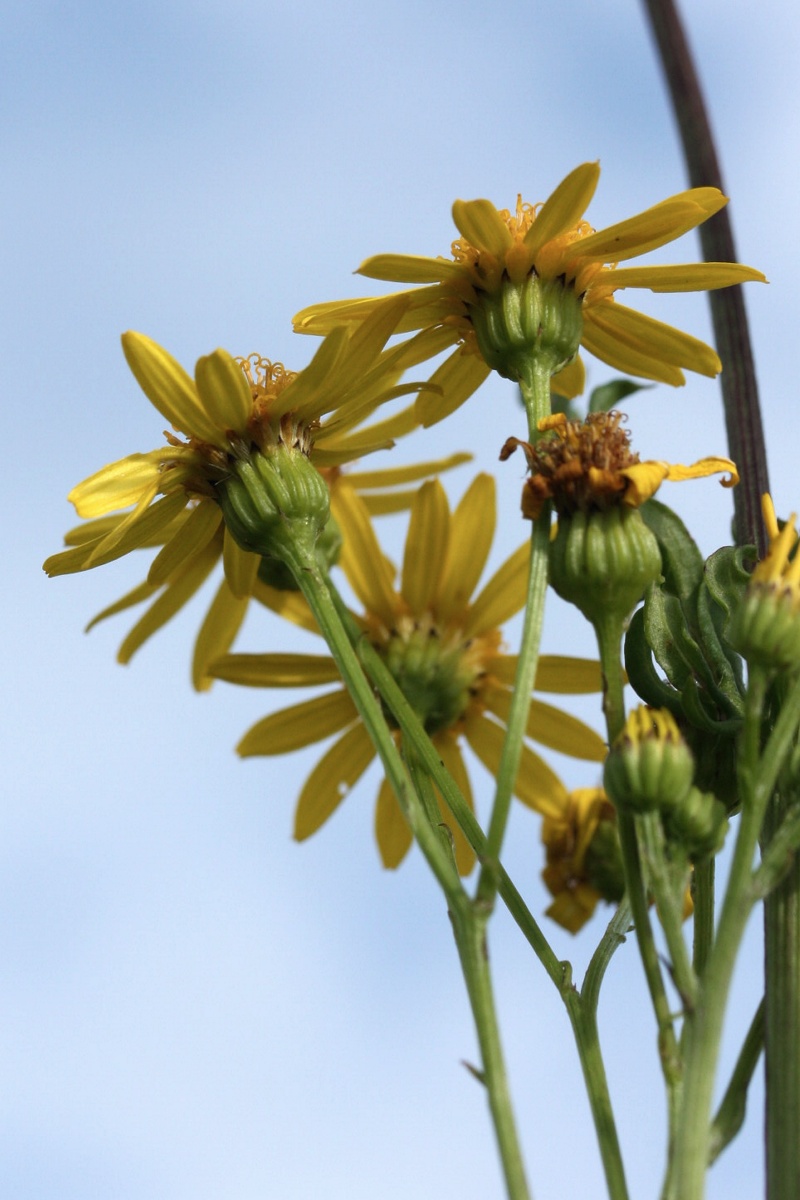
(384, 477)
(570, 380)
(426, 547)
(241, 566)
(331, 780)
(301, 725)
(179, 590)
(200, 526)
(224, 392)
(564, 207)
(568, 676)
(137, 595)
(646, 478)
(457, 378)
(609, 349)
(168, 387)
(392, 832)
(362, 559)
(276, 670)
(134, 531)
(220, 626)
(645, 336)
(503, 595)
(686, 277)
(481, 224)
(537, 785)
(472, 530)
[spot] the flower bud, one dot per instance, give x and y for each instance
(698, 823)
(766, 626)
(531, 319)
(602, 561)
(649, 765)
(275, 502)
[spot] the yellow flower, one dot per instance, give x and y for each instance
(382, 491)
(583, 828)
(230, 411)
(588, 466)
(445, 650)
(551, 243)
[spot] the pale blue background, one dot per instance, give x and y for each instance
(193, 1007)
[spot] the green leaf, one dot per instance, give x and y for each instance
(681, 560)
(608, 395)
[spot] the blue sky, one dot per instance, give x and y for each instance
(192, 1006)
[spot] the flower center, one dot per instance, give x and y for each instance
(577, 464)
(440, 674)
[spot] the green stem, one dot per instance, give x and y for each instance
(782, 1017)
(583, 1022)
(609, 637)
(731, 334)
(731, 1112)
(703, 897)
(582, 1009)
(469, 928)
(535, 388)
(316, 592)
(668, 883)
(703, 1025)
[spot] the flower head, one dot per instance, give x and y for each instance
(170, 586)
(766, 626)
(588, 466)
(583, 861)
(234, 413)
(486, 284)
(444, 647)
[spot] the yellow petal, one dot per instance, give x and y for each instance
(224, 392)
(458, 377)
(572, 909)
(301, 725)
(568, 676)
(472, 530)
(178, 592)
(118, 485)
(503, 595)
(362, 559)
(426, 546)
(201, 523)
(552, 727)
(276, 670)
(241, 566)
(644, 481)
(410, 268)
(221, 624)
(331, 780)
(392, 832)
(537, 785)
(688, 277)
(384, 477)
(570, 380)
(703, 467)
(650, 338)
(168, 387)
(481, 224)
(309, 384)
(289, 605)
(616, 353)
(138, 528)
(652, 228)
(136, 596)
(564, 207)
